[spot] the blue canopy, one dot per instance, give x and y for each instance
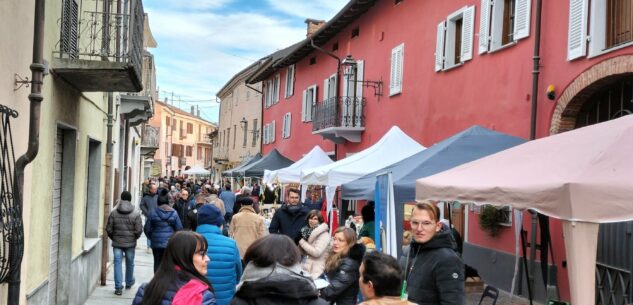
(471, 144)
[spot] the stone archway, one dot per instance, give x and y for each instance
(583, 87)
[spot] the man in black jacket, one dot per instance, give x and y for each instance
(124, 227)
(434, 273)
(290, 218)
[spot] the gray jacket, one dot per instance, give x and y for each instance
(124, 225)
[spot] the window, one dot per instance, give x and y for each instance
(200, 133)
(177, 150)
(329, 87)
(290, 81)
(234, 135)
(255, 132)
(355, 32)
(265, 134)
(610, 26)
(503, 22)
(199, 153)
(398, 1)
(275, 97)
(167, 122)
(174, 125)
(335, 46)
(313, 60)
(397, 67)
(272, 132)
(285, 130)
(189, 151)
(228, 137)
(455, 39)
(309, 100)
(245, 129)
(352, 78)
(189, 128)
(269, 133)
(69, 36)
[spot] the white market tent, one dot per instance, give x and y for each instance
(583, 177)
(394, 146)
(197, 170)
(292, 174)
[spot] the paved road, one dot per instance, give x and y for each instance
(143, 272)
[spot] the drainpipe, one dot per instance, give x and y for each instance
(533, 116)
(338, 80)
(35, 97)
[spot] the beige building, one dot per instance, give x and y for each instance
(87, 134)
(184, 140)
(238, 135)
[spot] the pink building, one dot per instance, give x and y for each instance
(435, 68)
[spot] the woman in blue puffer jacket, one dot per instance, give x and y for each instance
(180, 280)
(163, 222)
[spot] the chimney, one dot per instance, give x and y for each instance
(198, 110)
(193, 112)
(313, 26)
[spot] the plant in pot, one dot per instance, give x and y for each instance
(491, 219)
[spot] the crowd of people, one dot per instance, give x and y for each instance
(213, 246)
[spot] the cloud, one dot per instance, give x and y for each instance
(194, 5)
(315, 9)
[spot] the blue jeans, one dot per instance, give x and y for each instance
(118, 267)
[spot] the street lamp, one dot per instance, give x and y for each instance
(243, 123)
(350, 64)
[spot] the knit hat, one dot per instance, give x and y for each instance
(208, 214)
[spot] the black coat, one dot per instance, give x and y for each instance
(124, 225)
(278, 290)
(343, 288)
(289, 221)
(435, 273)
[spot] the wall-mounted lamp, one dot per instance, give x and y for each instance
(243, 123)
(350, 62)
(551, 93)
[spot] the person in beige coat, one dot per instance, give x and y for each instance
(246, 227)
(315, 242)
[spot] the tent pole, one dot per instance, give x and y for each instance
(525, 265)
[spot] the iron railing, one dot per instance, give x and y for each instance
(11, 225)
(102, 36)
(343, 111)
(150, 136)
(613, 285)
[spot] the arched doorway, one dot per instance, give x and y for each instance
(603, 93)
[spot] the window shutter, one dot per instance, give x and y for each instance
(439, 47)
(303, 106)
(326, 88)
(484, 26)
(360, 70)
(395, 83)
(311, 102)
(276, 89)
(272, 132)
(467, 33)
(577, 36)
(288, 124)
(522, 19)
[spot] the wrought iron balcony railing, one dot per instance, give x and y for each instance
(343, 111)
(102, 36)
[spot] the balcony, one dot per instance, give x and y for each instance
(136, 108)
(339, 119)
(149, 140)
(101, 51)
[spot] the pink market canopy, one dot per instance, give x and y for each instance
(580, 175)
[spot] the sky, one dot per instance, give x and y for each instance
(203, 43)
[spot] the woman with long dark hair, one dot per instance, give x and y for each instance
(314, 243)
(341, 268)
(273, 275)
(180, 278)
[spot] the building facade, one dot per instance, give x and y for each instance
(184, 140)
(456, 64)
(238, 134)
(69, 185)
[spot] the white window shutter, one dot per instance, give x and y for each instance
(326, 88)
(522, 12)
(311, 102)
(484, 26)
(399, 68)
(288, 125)
(577, 36)
(467, 33)
(303, 106)
(272, 132)
(395, 83)
(265, 134)
(439, 47)
(360, 70)
(392, 72)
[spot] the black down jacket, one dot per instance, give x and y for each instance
(435, 274)
(124, 225)
(289, 220)
(343, 288)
